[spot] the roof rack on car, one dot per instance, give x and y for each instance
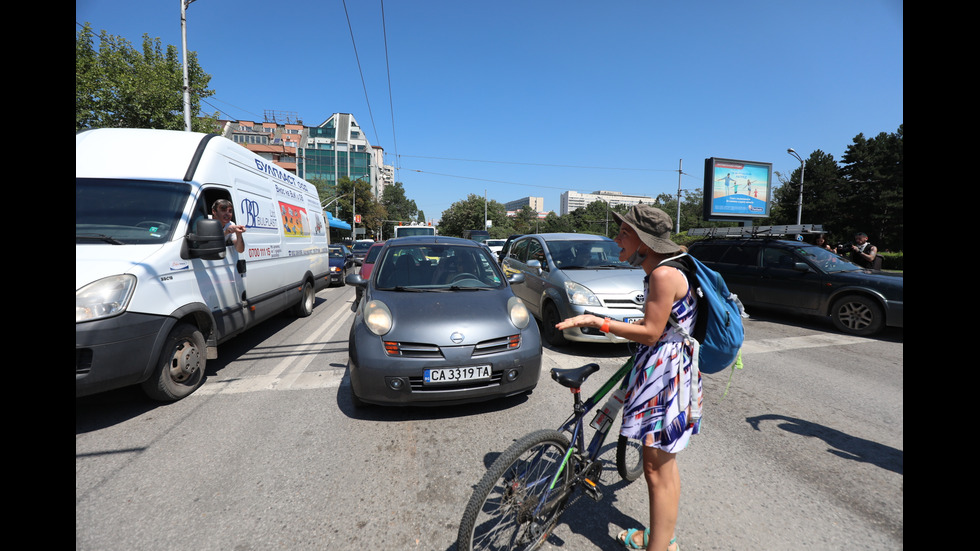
(757, 231)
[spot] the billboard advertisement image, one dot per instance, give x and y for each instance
(735, 189)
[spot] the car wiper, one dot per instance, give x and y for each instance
(98, 237)
(459, 288)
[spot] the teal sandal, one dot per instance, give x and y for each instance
(626, 538)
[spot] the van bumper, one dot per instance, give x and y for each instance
(116, 352)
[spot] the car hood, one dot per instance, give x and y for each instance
(451, 318)
(612, 280)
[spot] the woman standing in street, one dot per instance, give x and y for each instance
(661, 393)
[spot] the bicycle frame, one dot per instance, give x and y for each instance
(575, 426)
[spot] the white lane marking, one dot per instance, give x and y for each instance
(285, 375)
(763, 346)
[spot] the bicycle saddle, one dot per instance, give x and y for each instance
(575, 377)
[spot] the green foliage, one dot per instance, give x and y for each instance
(469, 215)
(117, 85)
(358, 199)
(398, 206)
(864, 193)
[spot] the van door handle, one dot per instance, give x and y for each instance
(241, 266)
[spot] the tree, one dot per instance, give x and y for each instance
(398, 206)
(468, 215)
(873, 179)
(119, 86)
(357, 196)
(821, 193)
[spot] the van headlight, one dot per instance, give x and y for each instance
(519, 315)
(580, 295)
(104, 298)
(377, 317)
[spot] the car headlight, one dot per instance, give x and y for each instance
(104, 298)
(580, 295)
(377, 317)
(519, 315)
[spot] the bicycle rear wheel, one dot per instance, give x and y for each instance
(515, 506)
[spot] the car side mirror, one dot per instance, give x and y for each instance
(355, 280)
(801, 267)
(535, 264)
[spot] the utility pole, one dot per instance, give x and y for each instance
(187, 84)
(677, 222)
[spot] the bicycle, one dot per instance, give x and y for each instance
(518, 502)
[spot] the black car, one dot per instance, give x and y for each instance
(341, 261)
(803, 278)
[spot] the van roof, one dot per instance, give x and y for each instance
(136, 153)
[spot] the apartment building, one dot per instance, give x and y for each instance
(571, 200)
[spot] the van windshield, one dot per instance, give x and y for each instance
(127, 211)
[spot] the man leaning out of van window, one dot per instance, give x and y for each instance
(224, 211)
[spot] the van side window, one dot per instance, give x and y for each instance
(202, 210)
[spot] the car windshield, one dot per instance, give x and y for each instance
(336, 253)
(437, 267)
(586, 254)
(826, 260)
(127, 211)
(361, 246)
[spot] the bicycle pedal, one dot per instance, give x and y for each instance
(592, 490)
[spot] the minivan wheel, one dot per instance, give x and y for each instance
(555, 337)
(857, 315)
(180, 368)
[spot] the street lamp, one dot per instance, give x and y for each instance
(799, 206)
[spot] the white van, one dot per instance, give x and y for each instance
(157, 287)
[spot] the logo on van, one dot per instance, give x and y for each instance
(250, 209)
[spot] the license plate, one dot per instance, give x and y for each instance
(632, 320)
(455, 374)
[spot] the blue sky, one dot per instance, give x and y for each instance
(511, 99)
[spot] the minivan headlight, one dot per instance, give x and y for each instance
(580, 295)
(377, 317)
(104, 298)
(519, 315)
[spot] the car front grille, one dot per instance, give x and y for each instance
(424, 350)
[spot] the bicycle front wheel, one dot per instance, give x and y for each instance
(519, 500)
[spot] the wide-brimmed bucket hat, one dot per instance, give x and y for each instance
(653, 227)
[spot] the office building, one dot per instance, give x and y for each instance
(324, 153)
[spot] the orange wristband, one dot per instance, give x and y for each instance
(605, 325)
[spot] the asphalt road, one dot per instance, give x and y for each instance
(804, 452)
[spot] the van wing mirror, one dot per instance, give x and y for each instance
(208, 242)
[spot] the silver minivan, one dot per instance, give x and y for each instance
(567, 274)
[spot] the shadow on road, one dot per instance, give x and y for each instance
(842, 445)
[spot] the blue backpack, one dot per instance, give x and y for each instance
(718, 330)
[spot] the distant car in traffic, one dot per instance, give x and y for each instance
(495, 245)
(803, 278)
(567, 274)
(341, 261)
(360, 248)
(438, 323)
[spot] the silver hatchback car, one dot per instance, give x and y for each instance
(567, 274)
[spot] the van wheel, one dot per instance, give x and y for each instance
(180, 368)
(857, 315)
(305, 306)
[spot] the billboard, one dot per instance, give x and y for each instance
(736, 190)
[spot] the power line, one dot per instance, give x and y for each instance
(391, 105)
(363, 84)
(544, 164)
